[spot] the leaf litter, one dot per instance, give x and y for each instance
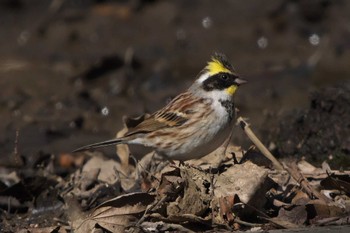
(152, 195)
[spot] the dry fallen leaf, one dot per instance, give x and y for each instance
(116, 214)
(295, 214)
(108, 169)
(306, 168)
(196, 196)
(318, 209)
(56, 229)
(248, 181)
(284, 224)
(339, 182)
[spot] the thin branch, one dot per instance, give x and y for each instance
(18, 160)
(311, 192)
(248, 224)
(258, 143)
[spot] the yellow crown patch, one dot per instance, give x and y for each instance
(216, 66)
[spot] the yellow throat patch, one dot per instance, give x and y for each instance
(231, 90)
(215, 66)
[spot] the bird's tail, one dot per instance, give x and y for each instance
(100, 144)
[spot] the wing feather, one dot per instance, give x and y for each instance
(174, 114)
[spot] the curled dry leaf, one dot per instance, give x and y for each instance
(300, 198)
(339, 182)
(164, 227)
(123, 150)
(226, 206)
(318, 209)
(307, 168)
(116, 214)
(108, 169)
(294, 171)
(296, 214)
(248, 181)
(284, 224)
(245, 180)
(56, 229)
(217, 157)
(196, 196)
(98, 178)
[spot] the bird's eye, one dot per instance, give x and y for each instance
(224, 77)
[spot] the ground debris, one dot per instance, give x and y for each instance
(237, 195)
(115, 214)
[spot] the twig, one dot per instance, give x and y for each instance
(323, 175)
(150, 208)
(18, 160)
(245, 126)
(311, 192)
(248, 224)
(292, 170)
(162, 226)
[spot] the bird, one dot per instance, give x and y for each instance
(195, 122)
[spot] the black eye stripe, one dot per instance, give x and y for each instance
(219, 81)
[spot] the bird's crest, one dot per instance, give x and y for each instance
(219, 63)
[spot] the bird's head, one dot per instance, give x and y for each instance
(219, 77)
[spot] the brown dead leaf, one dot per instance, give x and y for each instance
(189, 218)
(56, 229)
(306, 168)
(226, 205)
(196, 197)
(123, 150)
(248, 181)
(318, 209)
(300, 198)
(312, 192)
(295, 214)
(169, 185)
(215, 158)
(280, 223)
(108, 169)
(279, 203)
(164, 227)
(339, 182)
(116, 214)
(98, 178)
(334, 221)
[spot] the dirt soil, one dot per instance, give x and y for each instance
(320, 132)
(70, 71)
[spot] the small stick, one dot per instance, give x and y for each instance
(248, 224)
(18, 160)
(258, 143)
(150, 208)
(310, 191)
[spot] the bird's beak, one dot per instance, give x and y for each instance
(240, 81)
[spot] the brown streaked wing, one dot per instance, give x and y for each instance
(148, 125)
(174, 114)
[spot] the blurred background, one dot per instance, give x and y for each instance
(71, 69)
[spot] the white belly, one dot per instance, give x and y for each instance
(207, 138)
(194, 139)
